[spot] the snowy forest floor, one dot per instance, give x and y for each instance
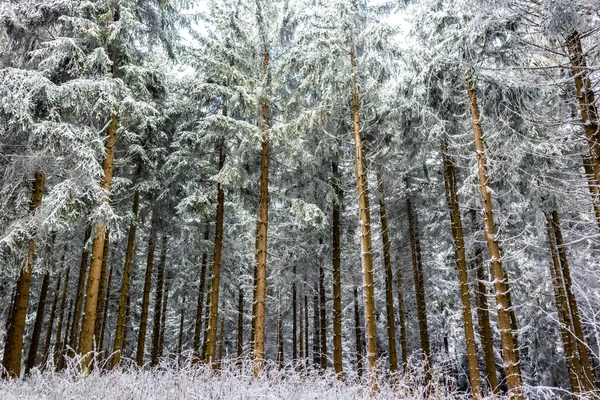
(169, 381)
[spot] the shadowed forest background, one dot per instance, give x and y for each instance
(300, 199)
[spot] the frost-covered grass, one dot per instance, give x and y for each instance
(233, 381)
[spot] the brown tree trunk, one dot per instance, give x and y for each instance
(323, 314)
(402, 317)
(13, 348)
(86, 340)
(158, 298)
(586, 366)
(511, 365)
(240, 330)
(294, 319)
(106, 304)
(564, 314)
(141, 344)
(365, 224)
(336, 263)
(124, 294)
(201, 286)
(415, 246)
(587, 104)
(483, 315)
(358, 335)
(102, 292)
(79, 297)
(51, 317)
(389, 291)
(216, 270)
(59, 342)
(316, 332)
(263, 221)
(463, 275)
(39, 321)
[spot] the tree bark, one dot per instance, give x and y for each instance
(106, 304)
(463, 275)
(511, 364)
(163, 317)
(336, 263)
(402, 317)
(124, 294)
(365, 224)
(358, 335)
(389, 291)
(201, 286)
(79, 297)
(263, 221)
(158, 299)
(39, 321)
(586, 366)
(141, 344)
(102, 292)
(51, 317)
(415, 246)
(13, 348)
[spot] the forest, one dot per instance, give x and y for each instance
(299, 199)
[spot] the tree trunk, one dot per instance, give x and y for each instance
(588, 381)
(106, 304)
(86, 341)
(158, 298)
(102, 292)
(587, 105)
(564, 314)
(402, 317)
(358, 335)
(180, 341)
(463, 275)
(483, 315)
(511, 365)
(13, 348)
(301, 356)
(51, 317)
(121, 327)
(306, 317)
(39, 321)
(294, 319)
(263, 221)
(62, 360)
(79, 297)
(365, 224)
(141, 345)
(240, 330)
(59, 342)
(389, 291)
(323, 314)
(201, 286)
(415, 246)
(316, 332)
(161, 336)
(205, 330)
(336, 263)
(126, 324)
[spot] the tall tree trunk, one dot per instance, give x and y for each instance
(102, 292)
(86, 340)
(358, 335)
(389, 291)
(158, 298)
(511, 365)
(415, 246)
(124, 294)
(240, 330)
(316, 332)
(126, 324)
(294, 319)
(402, 317)
(586, 366)
(106, 304)
(62, 360)
(161, 336)
(59, 344)
(205, 329)
(79, 297)
(323, 315)
(483, 315)
(564, 314)
(336, 263)
(463, 275)
(201, 286)
(216, 270)
(13, 348)
(39, 321)
(263, 221)
(180, 341)
(365, 225)
(587, 105)
(141, 344)
(51, 317)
